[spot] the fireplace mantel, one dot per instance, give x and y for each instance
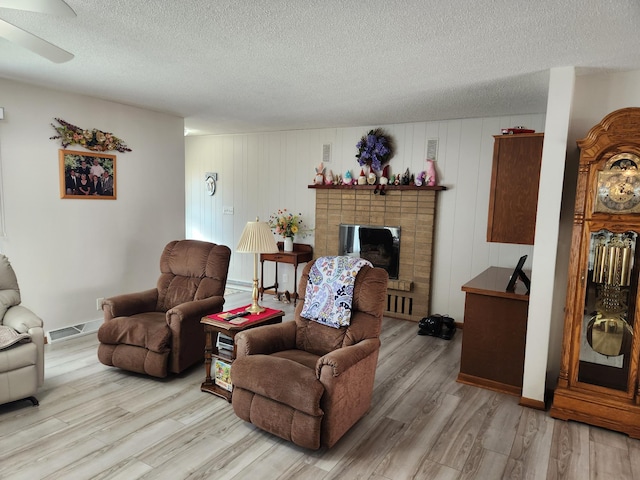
(411, 207)
(386, 187)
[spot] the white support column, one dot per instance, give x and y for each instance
(559, 103)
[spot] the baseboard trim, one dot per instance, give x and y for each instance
(531, 403)
(489, 384)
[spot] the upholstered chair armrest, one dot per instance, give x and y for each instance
(21, 319)
(340, 360)
(195, 309)
(130, 304)
(266, 340)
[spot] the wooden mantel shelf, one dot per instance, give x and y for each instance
(373, 187)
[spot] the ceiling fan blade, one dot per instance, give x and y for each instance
(52, 7)
(33, 43)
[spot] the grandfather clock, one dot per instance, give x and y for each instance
(598, 382)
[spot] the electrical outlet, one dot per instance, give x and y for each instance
(99, 302)
(227, 210)
(285, 278)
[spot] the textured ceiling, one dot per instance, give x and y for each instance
(262, 65)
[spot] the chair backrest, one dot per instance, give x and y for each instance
(9, 290)
(191, 270)
(367, 308)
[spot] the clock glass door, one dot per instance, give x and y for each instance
(607, 328)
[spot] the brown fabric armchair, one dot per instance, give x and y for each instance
(159, 331)
(306, 382)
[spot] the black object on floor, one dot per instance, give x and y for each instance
(436, 325)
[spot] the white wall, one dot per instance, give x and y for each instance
(67, 252)
(259, 173)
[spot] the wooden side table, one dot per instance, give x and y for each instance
(302, 253)
(215, 324)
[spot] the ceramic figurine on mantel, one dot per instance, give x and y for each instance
(406, 178)
(319, 177)
(431, 179)
(362, 179)
(384, 177)
(347, 179)
(328, 179)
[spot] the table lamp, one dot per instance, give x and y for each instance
(256, 238)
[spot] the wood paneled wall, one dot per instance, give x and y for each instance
(262, 172)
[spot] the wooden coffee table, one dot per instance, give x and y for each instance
(215, 324)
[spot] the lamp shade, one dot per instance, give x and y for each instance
(257, 238)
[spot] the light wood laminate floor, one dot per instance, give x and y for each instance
(98, 422)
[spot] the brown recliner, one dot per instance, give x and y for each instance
(306, 382)
(159, 331)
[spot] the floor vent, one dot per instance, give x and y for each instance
(73, 331)
(399, 304)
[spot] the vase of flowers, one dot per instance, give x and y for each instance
(374, 149)
(288, 225)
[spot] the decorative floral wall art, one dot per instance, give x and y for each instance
(94, 139)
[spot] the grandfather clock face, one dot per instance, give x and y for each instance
(619, 185)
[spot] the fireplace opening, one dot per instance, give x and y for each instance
(379, 245)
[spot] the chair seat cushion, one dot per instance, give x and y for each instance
(148, 330)
(307, 359)
(279, 379)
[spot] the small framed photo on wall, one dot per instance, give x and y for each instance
(86, 175)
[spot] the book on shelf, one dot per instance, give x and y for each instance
(224, 341)
(222, 371)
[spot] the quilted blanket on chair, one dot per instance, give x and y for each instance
(8, 337)
(329, 292)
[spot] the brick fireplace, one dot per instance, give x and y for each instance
(412, 208)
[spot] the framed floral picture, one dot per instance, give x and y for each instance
(87, 175)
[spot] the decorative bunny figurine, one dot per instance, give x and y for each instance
(319, 178)
(328, 179)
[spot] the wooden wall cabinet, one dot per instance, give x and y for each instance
(598, 382)
(515, 176)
